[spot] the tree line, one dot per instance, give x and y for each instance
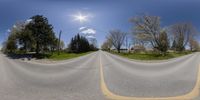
(80, 44)
(147, 31)
(37, 35)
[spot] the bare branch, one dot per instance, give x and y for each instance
(117, 38)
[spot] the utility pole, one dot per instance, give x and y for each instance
(59, 42)
(126, 40)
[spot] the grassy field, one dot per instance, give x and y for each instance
(151, 56)
(51, 56)
(64, 56)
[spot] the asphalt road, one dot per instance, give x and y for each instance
(97, 76)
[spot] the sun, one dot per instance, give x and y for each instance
(80, 17)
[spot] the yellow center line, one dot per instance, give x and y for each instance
(108, 94)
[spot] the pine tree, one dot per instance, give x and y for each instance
(79, 44)
(42, 32)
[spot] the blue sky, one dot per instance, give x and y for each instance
(105, 15)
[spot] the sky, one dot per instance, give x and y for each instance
(102, 15)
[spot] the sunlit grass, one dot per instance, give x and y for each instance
(64, 56)
(151, 56)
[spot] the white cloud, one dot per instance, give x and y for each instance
(28, 21)
(82, 28)
(8, 30)
(14, 26)
(88, 31)
(91, 37)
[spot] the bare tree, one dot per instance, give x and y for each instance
(194, 45)
(182, 32)
(147, 28)
(107, 45)
(117, 39)
(141, 39)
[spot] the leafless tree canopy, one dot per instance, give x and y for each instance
(182, 32)
(107, 45)
(193, 44)
(141, 39)
(117, 38)
(149, 26)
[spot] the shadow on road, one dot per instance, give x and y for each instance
(27, 56)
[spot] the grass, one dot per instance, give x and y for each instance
(64, 56)
(51, 56)
(151, 56)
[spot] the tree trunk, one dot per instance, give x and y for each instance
(118, 50)
(25, 47)
(37, 48)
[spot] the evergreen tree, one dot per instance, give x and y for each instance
(42, 32)
(11, 43)
(80, 44)
(173, 45)
(163, 43)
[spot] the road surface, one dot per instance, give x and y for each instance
(100, 76)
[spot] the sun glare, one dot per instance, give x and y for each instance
(81, 18)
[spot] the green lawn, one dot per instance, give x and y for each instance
(64, 56)
(151, 56)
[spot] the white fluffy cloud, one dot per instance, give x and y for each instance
(8, 30)
(14, 26)
(82, 28)
(88, 31)
(91, 37)
(28, 21)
